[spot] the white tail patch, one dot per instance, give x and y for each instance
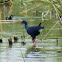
(40, 30)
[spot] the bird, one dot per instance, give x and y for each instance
(33, 31)
(0, 40)
(10, 17)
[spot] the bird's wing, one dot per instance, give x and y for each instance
(34, 28)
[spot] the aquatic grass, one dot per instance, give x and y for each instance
(5, 3)
(59, 2)
(17, 27)
(1, 3)
(30, 48)
(48, 48)
(22, 56)
(60, 12)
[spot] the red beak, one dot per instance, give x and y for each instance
(21, 22)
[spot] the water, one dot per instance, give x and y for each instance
(43, 52)
(48, 50)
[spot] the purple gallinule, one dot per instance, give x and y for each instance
(32, 30)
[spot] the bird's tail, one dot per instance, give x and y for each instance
(42, 27)
(40, 24)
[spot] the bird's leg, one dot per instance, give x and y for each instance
(35, 42)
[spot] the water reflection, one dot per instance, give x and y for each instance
(17, 52)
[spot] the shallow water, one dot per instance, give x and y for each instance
(44, 51)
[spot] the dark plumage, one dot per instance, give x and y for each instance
(32, 30)
(10, 17)
(0, 40)
(40, 24)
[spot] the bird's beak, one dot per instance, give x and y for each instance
(21, 22)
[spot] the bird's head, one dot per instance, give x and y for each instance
(12, 15)
(23, 22)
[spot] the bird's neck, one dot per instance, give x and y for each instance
(25, 25)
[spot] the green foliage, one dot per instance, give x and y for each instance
(58, 6)
(59, 2)
(60, 12)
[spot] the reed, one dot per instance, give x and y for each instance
(22, 56)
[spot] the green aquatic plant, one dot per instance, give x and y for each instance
(58, 5)
(22, 56)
